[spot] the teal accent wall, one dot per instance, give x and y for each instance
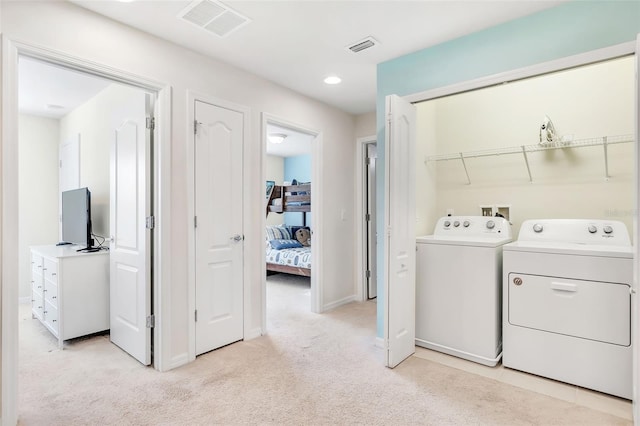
(569, 29)
(298, 168)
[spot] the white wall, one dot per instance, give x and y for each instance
(72, 30)
(38, 183)
(587, 102)
(274, 170)
(95, 121)
(366, 124)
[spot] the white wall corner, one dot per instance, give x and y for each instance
(337, 303)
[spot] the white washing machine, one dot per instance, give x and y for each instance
(459, 287)
(567, 303)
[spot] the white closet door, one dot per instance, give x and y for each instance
(400, 217)
(219, 236)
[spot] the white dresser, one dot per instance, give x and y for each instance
(70, 290)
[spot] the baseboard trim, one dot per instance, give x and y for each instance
(252, 334)
(178, 361)
(25, 300)
(338, 303)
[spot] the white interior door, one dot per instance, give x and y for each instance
(371, 157)
(400, 217)
(218, 235)
(130, 205)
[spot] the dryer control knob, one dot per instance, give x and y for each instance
(607, 229)
(456, 223)
(592, 229)
(447, 224)
(491, 224)
(466, 223)
(537, 228)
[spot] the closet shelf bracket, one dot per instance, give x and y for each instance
(465, 168)
(526, 161)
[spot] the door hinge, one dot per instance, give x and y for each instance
(367, 217)
(195, 315)
(195, 127)
(151, 321)
(151, 123)
(151, 222)
(369, 161)
(368, 274)
(195, 221)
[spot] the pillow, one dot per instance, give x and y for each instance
(303, 235)
(277, 232)
(284, 244)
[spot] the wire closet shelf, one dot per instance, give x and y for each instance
(524, 150)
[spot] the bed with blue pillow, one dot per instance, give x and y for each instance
(286, 254)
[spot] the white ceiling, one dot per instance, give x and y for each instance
(51, 91)
(296, 143)
(298, 43)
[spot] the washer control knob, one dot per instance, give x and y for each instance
(607, 229)
(517, 281)
(491, 224)
(447, 224)
(466, 223)
(537, 228)
(456, 223)
(593, 229)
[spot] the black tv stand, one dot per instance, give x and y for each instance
(89, 249)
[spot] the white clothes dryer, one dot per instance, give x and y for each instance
(567, 303)
(458, 287)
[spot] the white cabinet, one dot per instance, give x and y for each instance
(70, 290)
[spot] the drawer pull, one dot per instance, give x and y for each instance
(54, 320)
(39, 286)
(564, 286)
(39, 266)
(44, 312)
(54, 297)
(53, 273)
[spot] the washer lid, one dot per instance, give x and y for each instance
(463, 241)
(570, 249)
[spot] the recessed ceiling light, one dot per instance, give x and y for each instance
(333, 79)
(277, 137)
(54, 106)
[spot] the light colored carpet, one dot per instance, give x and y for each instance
(309, 369)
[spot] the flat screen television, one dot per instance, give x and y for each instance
(76, 217)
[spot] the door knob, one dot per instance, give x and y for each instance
(237, 238)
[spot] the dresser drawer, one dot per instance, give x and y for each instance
(51, 293)
(36, 264)
(37, 285)
(50, 271)
(37, 306)
(51, 317)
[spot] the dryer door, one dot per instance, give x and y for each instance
(591, 310)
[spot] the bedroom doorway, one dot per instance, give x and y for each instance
(292, 237)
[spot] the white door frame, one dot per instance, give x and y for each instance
(11, 50)
(361, 259)
(192, 97)
(317, 305)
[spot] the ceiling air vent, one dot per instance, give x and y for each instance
(362, 45)
(213, 17)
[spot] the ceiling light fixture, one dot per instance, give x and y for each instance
(333, 79)
(277, 137)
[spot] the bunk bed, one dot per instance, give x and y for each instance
(283, 254)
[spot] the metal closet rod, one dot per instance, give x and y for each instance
(605, 141)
